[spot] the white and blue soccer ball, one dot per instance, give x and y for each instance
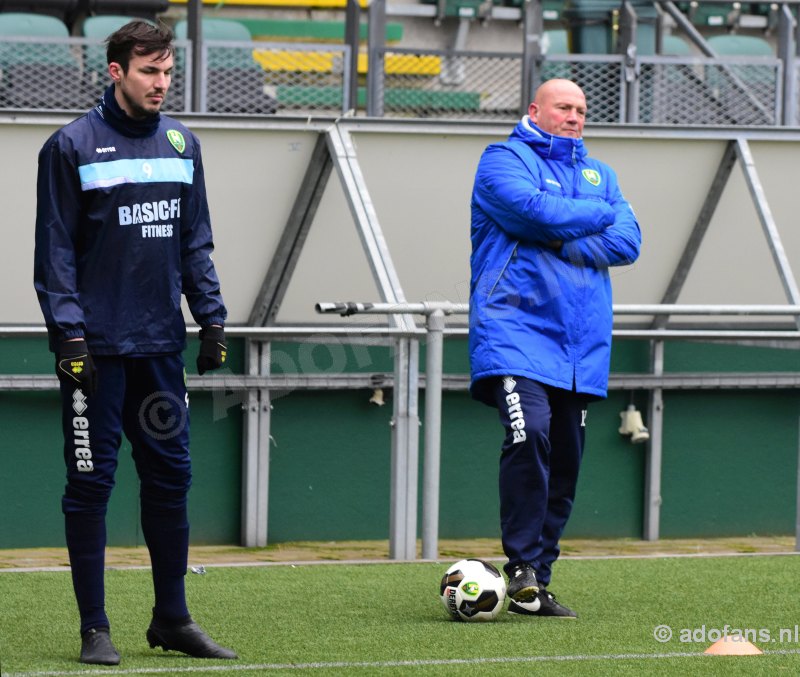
(473, 590)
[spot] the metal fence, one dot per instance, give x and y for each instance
(292, 79)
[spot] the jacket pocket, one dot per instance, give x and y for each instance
(503, 270)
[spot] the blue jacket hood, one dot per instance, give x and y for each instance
(549, 146)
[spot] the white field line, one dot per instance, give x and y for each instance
(355, 665)
(220, 565)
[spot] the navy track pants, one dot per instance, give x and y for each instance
(146, 398)
(539, 464)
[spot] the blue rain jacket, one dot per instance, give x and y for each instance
(122, 231)
(547, 223)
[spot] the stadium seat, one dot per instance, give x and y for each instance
(740, 45)
(63, 10)
(37, 66)
(760, 79)
(555, 42)
(133, 9)
(673, 45)
(235, 81)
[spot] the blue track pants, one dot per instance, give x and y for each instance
(539, 463)
(146, 398)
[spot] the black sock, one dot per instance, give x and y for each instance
(86, 543)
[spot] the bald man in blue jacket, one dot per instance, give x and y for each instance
(548, 222)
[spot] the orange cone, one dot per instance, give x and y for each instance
(733, 645)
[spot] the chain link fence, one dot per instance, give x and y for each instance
(729, 91)
(295, 79)
(450, 84)
(38, 74)
(600, 77)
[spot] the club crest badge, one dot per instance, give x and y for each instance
(177, 140)
(591, 176)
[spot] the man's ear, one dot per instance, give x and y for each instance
(115, 71)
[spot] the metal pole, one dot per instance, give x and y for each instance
(376, 36)
(627, 41)
(787, 52)
(194, 30)
(652, 486)
(433, 430)
(264, 418)
(533, 25)
(774, 242)
(352, 26)
(250, 452)
(399, 509)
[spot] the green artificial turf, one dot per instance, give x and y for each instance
(386, 619)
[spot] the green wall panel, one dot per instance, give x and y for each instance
(469, 505)
(730, 457)
(609, 501)
(730, 464)
(692, 356)
(330, 456)
(609, 498)
(32, 466)
(31, 470)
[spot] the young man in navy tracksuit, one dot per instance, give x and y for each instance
(547, 223)
(122, 232)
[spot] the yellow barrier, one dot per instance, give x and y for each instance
(322, 62)
(321, 4)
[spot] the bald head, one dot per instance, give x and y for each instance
(559, 108)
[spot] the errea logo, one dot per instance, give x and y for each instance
(106, 149)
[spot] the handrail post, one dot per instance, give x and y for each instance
(433, 430)
(652, 478)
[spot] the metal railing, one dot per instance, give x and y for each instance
(260, 384)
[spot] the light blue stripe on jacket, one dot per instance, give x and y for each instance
(115, 172)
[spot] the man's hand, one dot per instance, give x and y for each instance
(75, 367)
(213, 350)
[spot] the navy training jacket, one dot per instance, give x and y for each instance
(536, 310)
(122, 231)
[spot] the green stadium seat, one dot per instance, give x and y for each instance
(235, 80)
(760, 79)
(555, 42)
(673, 45)
(37, 66)
(221, 29)
(318, 30)
(397, 99)
(740, 45)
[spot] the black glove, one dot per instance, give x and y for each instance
(213, 350)
(75, 367)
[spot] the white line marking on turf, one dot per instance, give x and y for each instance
(377, 664)
(305, 563)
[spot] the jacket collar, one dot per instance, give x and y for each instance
(112, 113)
(548, 146)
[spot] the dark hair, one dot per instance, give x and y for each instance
(138, 38)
